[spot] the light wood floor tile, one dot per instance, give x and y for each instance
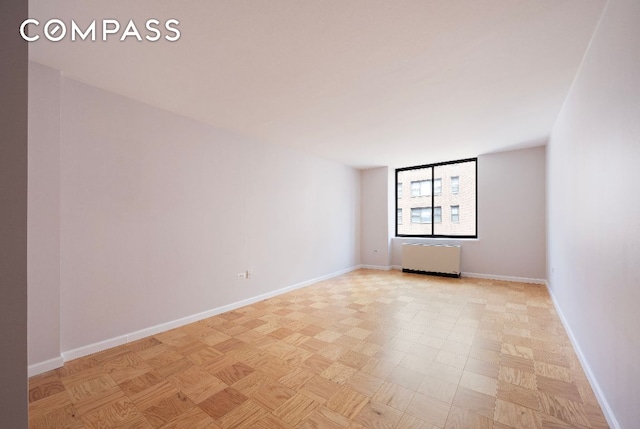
(406, 377)
(153, 393)
(273, 395)
(558, 388)
(167, 409)
(347, 402)
(481, 367)
(49, 404)
(243, 416)
(517, 377)
(324, 418)
(518, 395)
(45, 385)
(296, 409)
(121, 412)
(297, 378)
(141, 383)
(550, 422)
(60, 418)
(445, 372)
(439, 389)
(410, 422)
(73, 367)
(378, 416)
(595, 416)
(394, 395)
(272, 422)
(462, 418)
(564, 409)
(450, 358)
(479, 383)
(222, 402)
(475, 401)
(429, 409)
(365, 383)
(81, 391)
(99, 400)
(516, 416)
(194, 418)
(369, 349)
(417, 363)
(338, 373)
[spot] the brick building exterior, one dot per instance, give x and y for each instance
(454, 200)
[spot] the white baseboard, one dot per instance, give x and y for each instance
(376, 267)
(604, 404)
(504, 278)
(79, 352)
(44, 366)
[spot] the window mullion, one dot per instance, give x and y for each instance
(433, 181)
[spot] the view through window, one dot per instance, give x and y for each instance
(442, 201)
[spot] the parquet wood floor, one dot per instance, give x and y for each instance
(369, 349)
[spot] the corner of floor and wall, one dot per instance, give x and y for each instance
(124, 220)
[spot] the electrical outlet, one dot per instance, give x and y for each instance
(242, 275)
(249, 274)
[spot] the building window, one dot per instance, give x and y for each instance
(399, 190)
(455, 184)
(421, 215)
(399, 216)
(429, 182)
(455, 214)
(421, 188)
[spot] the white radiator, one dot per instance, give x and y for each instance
(431, 259)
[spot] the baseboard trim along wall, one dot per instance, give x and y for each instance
(47, 365)
(464, 274)
(376, 267)
(606, 409)
(40, 367)
(504, 278)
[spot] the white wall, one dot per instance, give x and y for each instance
(158, 214)
(594, 210)
(44, 216)
(374, 219)
(511, 218)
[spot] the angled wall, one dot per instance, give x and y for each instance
(374, 208)
(158, 214)
(594, 212)
(44, 219)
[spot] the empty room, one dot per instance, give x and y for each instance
(320, 214)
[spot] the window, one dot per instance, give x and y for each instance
(399, 190)
(431, 190)
(399, 216)
(437, 214)
(455, 184)
(421, 188)
(437, 187)
(421, 215)
(455, 214)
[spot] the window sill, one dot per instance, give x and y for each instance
(434, 239)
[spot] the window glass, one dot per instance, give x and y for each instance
(451, 185)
